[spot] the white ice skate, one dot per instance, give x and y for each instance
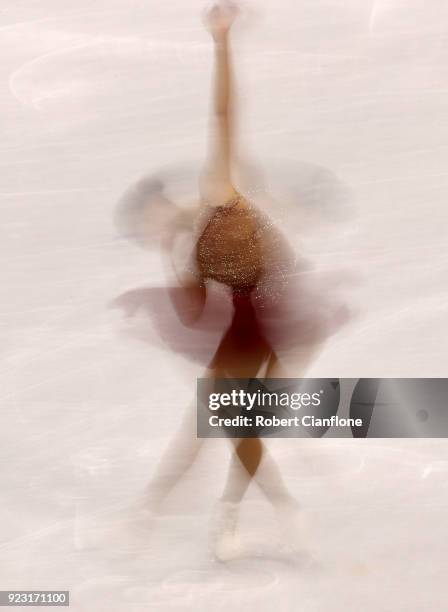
(226, 540)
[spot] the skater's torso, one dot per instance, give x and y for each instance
(229, 249)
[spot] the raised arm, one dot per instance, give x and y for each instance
(216, 183)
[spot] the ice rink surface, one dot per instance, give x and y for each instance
(93, 96)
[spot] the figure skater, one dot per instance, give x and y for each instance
(238, 249)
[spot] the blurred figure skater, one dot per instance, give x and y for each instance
(240, 249)
(236, 254)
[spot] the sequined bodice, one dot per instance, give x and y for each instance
(229, 248)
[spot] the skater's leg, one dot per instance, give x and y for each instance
(242, 469)
(176, 460)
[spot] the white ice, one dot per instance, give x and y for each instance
(95, 95)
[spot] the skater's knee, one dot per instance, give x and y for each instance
(250, 451)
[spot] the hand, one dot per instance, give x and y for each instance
(220, 17)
